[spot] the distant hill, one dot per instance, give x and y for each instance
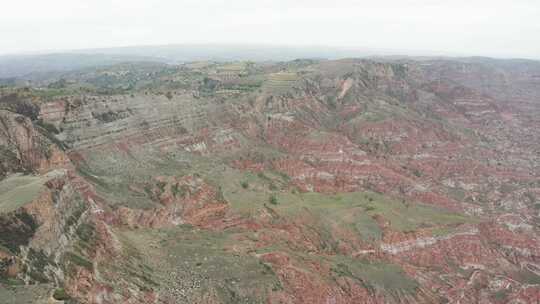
(24, 65)
(35, 66)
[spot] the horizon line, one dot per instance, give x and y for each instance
(375, 52)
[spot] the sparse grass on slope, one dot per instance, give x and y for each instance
(192, 264)
(28, 294)
(354, 210)
(18, 189)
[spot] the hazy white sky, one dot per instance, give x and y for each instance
(468, 27)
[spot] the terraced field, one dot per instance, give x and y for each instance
(279, 83)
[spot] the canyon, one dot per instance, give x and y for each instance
(384, 180)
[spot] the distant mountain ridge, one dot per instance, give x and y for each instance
(20, 66)
(23, 65)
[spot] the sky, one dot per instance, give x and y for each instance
(497, 28)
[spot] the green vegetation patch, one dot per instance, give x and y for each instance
(61, 295)
(247, 192)
(501, 295)
(232, 67)
(18, 189)
(355, 210)
(528, 277)
(86, 237)
(78, 260)
(16, 229)
(202, 263)
(28, 294)
(37, 262)
(382, 276)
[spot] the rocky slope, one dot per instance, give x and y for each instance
(350, 181)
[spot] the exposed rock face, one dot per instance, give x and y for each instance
(187, 200)
(147, 119)
(24, 148)
(348, 181)
(36, 236)
(422, 242)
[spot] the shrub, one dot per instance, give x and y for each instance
(273, 199)
(369, 208)
(61, 295)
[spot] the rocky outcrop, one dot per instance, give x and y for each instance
(23, 147)
(185, 200)
(422, 242)
(142, 119)
(36, 236)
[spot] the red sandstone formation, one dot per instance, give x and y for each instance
(418, 133)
